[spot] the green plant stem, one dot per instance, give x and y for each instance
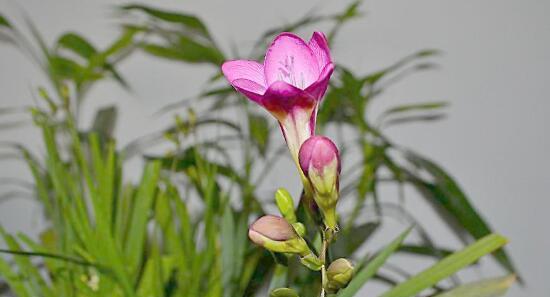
(322, 257)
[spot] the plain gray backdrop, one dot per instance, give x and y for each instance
(494, 71)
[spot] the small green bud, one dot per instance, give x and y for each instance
(339, 274)
(283, 292)
(285, 205)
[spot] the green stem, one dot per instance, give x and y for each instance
(322, 257)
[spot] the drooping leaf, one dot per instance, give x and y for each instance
(447, 195)
(77, 44)
(188, 21)
(447, 267)
(186, 50)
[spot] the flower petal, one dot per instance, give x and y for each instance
(317, 89)
(244, 69)
(284, 97)
(291, 60)
(250, 89)
(319, 46)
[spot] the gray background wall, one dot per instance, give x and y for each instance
(494, 72)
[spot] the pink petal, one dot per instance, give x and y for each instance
(290, 59)
(317, 89)
(244, 69)
(319, 46)
(284, 97)
(250, 89)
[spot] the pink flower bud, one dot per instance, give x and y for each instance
(317, 153)
(320, 162)
(271, 227)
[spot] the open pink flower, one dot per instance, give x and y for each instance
(289, 84)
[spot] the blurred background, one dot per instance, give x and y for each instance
(493, 72)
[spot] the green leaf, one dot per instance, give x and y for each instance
(283, 292)
(186, 50)
(422, 250)
(447, 267)
(493, 287)
(140, 216)
(447, 195)
(4, 22)
(350, 240)
(187, 20)
(259, 132)
(105, 121)
(416, 107)
(77, 44)
(372, 267)
(228, 249)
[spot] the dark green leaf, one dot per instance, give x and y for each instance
(372, 267)
(189, 21)
(105, 121)
(186, 50)
(77, 44)
(349, 240)
(259, 132)
(447, 195)
(4, 22)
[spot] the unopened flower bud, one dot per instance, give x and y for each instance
(320, 162)
(339, 274)
(277, 235)
(285, 205)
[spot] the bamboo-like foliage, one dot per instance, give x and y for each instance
(182, 229)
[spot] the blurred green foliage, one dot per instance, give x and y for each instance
(182, 229)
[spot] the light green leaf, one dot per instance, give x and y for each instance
(447, 267)
(493, 287)
(372, 267)
(283, 292)
(77, 44)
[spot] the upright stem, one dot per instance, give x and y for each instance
(323, 257)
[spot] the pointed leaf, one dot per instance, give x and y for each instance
(447, 267)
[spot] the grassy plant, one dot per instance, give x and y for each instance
(182, 229)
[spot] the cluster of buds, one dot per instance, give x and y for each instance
(290, 85)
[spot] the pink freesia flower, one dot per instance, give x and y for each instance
(289, 84)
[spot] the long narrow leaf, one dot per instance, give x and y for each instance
(447, 267)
